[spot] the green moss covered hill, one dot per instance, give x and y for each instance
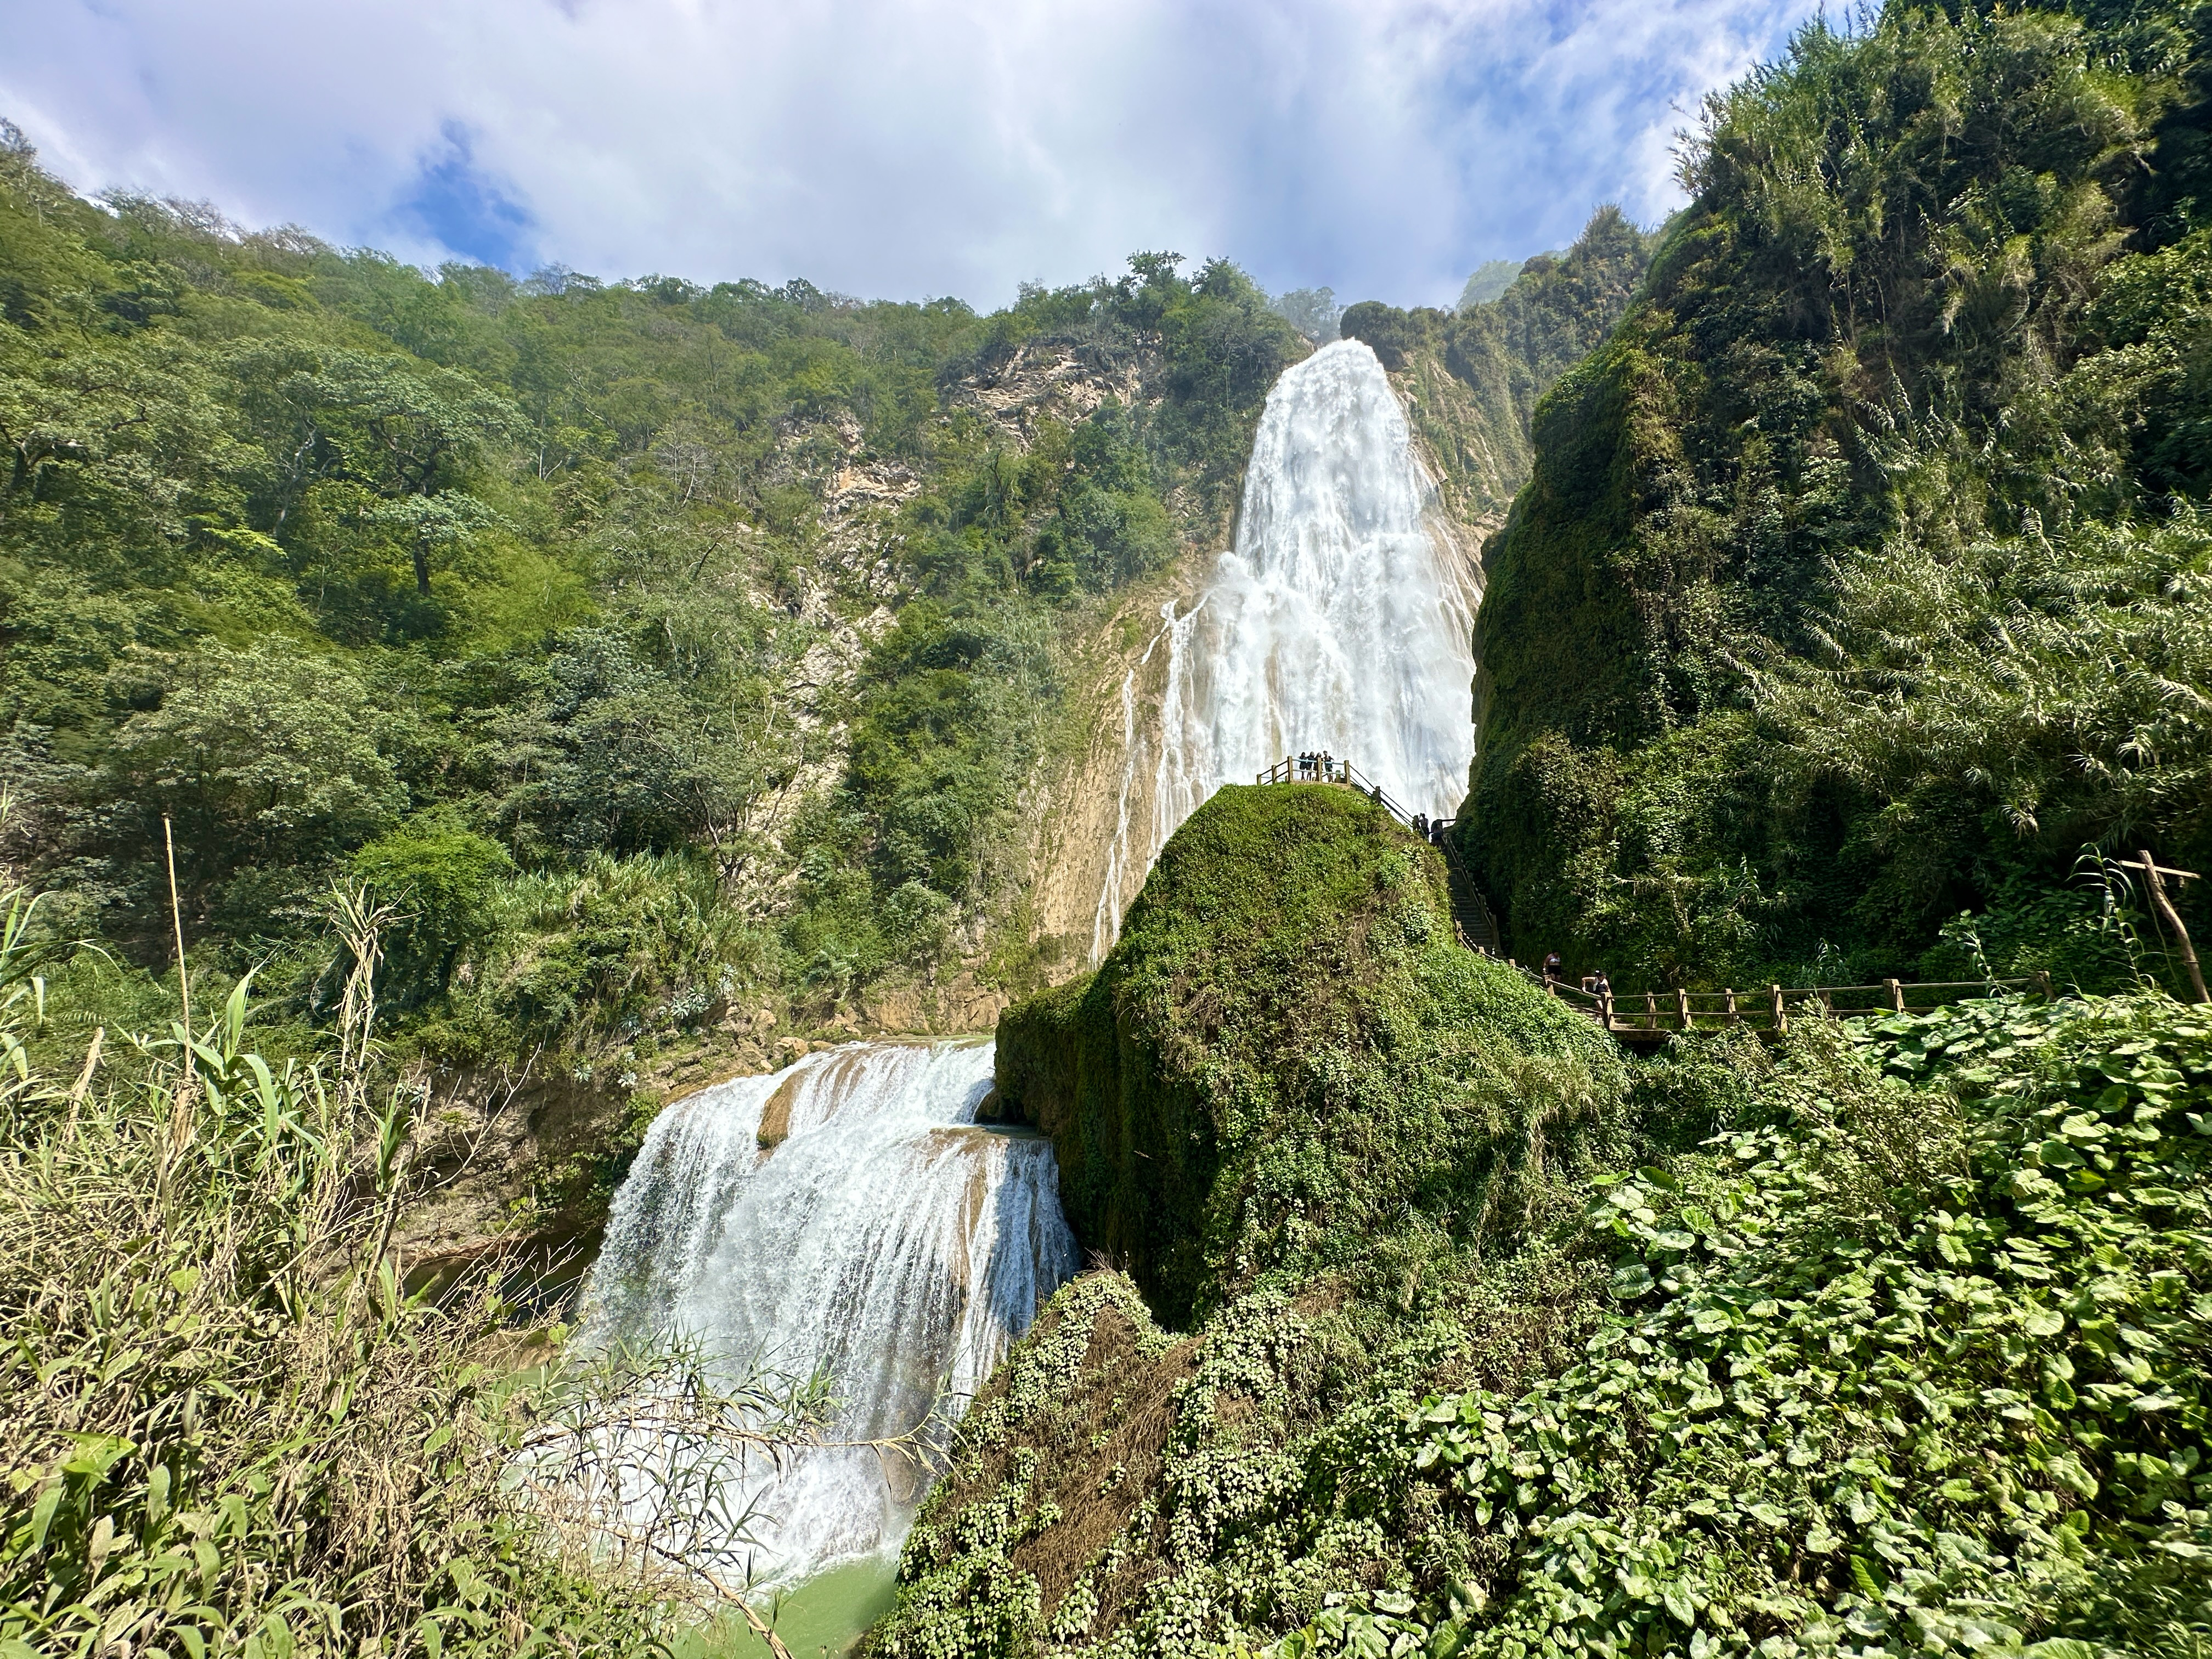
(1433, 1329)
(1860, 580)
(655, 650)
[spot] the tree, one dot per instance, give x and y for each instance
(442, 879)
(410, 435)
(263, 756)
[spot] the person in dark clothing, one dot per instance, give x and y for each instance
(1421, 825)
(1551, 966)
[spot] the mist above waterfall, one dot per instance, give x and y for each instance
(1341, 620)
(847, 1214)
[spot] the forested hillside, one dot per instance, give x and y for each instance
(1857, 610)
(658, 654)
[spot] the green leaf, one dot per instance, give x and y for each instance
(42, 1514)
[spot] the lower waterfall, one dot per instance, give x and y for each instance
(848, 1214)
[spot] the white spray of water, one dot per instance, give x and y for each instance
(1343, 619)
(890, 1239)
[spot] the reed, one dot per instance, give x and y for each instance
(226, 1426)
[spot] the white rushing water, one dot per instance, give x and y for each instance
(1342, 620)
(888, 1238)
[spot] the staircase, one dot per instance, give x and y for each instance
(1478, 928)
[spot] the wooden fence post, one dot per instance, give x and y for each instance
(1682, 1005)
(1896, 994)
(1650, 1012)
(1781, 1019)
(1734, 1017)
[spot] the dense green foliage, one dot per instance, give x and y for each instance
(1310, 1125)
(1916, 1362)
(1861, 579)
(649, 645)
(1253, 1080)
(225, 1428)
(1477, 372)
(1894, 1339)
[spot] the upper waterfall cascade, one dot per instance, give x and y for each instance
(1342, 620)
(886, 1237)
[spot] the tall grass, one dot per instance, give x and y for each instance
(224, 1426)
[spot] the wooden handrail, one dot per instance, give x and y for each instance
(1770, 1010)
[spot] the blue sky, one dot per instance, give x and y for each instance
(1382, 147)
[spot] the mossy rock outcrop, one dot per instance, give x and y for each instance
(1285, 1053)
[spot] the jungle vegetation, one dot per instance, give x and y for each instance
(1857, 602)
(1434, 1327)
(652, 647)
(1474, 375)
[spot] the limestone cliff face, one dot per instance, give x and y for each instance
(1472, 379)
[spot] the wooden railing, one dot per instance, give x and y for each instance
(1650, 1014)
(1477, 928)
(1327, 769)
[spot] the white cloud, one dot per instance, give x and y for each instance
(896, 148)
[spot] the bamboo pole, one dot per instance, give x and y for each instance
(2164, 906)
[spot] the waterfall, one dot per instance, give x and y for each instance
(1342, 619)
(849, 1214)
